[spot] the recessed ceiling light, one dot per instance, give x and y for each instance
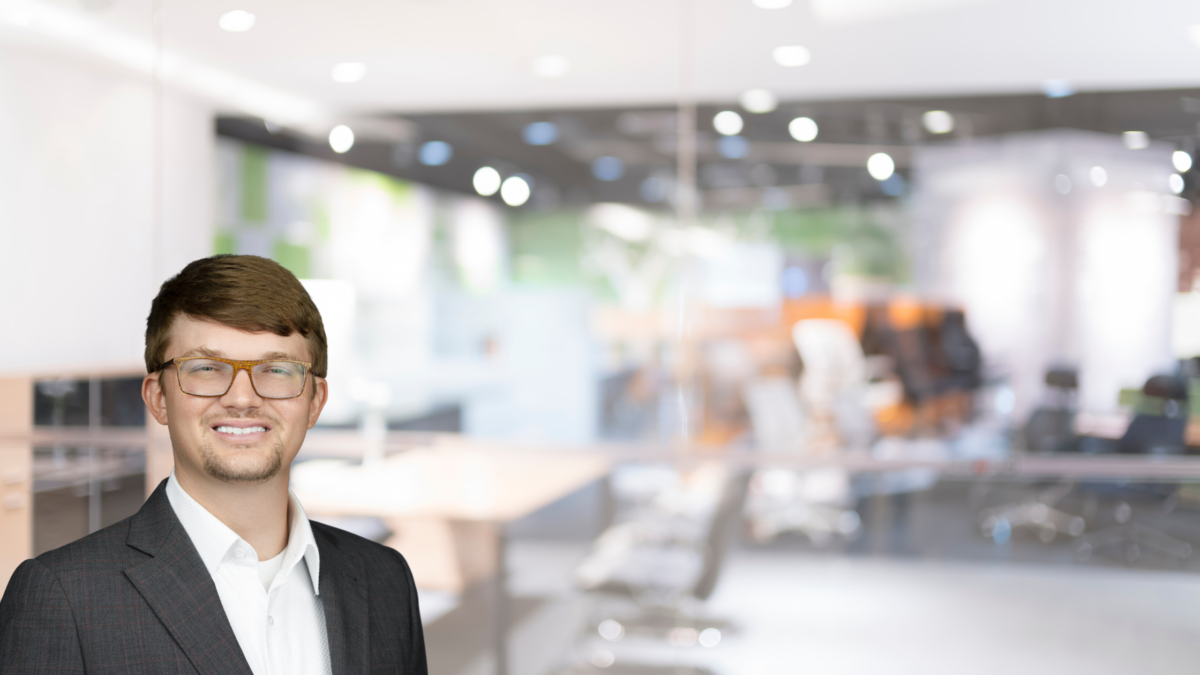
(759, 100)
(1098, 175)
(349, 72)
(341, 138)
(1057, 88)
(1136, 140)
(1175, 182)
(486, 181)
(237, 21)
(435, 153)
(727, 123)
(733, 147)
(772, 4)
(540, 133)
(551, 66)
(938, 122)
(881, 166)
(1062, 183)
(803, 129)
(791, 56)
(514, 191)
(608, 168)
(1182, 161)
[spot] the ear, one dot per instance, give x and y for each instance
(317, 403)
(155, 397)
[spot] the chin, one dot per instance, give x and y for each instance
(244, 467)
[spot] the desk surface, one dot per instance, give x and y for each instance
(454, 482)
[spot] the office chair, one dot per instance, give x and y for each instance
(815, 503)
(1157, 429)
(1051, 428)
(826, 413)
(667, 568)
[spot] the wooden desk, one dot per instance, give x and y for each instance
(453, 497)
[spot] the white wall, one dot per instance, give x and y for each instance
(77, 262)
(1085, 278)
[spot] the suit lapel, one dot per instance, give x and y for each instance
(345, 603)
(177, 586)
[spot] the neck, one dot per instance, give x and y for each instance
(257, 512)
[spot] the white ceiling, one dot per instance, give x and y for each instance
(429, 55)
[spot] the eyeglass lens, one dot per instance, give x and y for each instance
(273, 379)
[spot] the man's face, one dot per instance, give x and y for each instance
(238, 437)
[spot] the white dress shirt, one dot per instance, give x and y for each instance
(272, 605)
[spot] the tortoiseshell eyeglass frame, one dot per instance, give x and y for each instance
(237, 365)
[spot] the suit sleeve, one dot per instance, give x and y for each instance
(37, 626)
(414, 639)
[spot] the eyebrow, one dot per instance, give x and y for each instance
(218, 354)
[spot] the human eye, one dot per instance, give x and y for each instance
(279, 369)
(201, 367)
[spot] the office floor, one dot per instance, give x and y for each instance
(797, 613)
(921, 590)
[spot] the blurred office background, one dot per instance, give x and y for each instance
(682, 336)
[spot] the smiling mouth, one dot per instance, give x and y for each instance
(240, 431)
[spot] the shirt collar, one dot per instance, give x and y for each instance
(214, 539)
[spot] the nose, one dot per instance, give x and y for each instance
(241, 393)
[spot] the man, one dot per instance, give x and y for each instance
(221, 572)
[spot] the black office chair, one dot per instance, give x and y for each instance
(1051, 427)
(959, 351)
(1161, 419)
(1157, 428)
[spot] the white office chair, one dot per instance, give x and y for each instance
(834, 384)
(821, 415)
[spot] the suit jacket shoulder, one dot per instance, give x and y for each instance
(370, 599)
(132, 598)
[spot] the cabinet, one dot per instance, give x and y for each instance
(78, 452)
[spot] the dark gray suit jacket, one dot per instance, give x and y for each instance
(136, 598)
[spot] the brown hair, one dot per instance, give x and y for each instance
(240, 291)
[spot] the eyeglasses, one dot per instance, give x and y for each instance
(211, 376)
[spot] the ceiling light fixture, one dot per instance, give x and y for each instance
(540, 133)
(1098, 175)
(881, 166)
(759, 101)
(551, 66)
(938, 122)
(733, 147)
(486, 181)
(608, 169)
(1057, 88)
(341, 138)
(1182, 161)
(1175, 182)
(237, 21)
(514, 191)
(728, 123)
(791, 56)
(348, 72)
(1062, 183)
(435, 153)
(803, 129)
(1136, 140)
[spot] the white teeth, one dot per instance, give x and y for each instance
(237, 431)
